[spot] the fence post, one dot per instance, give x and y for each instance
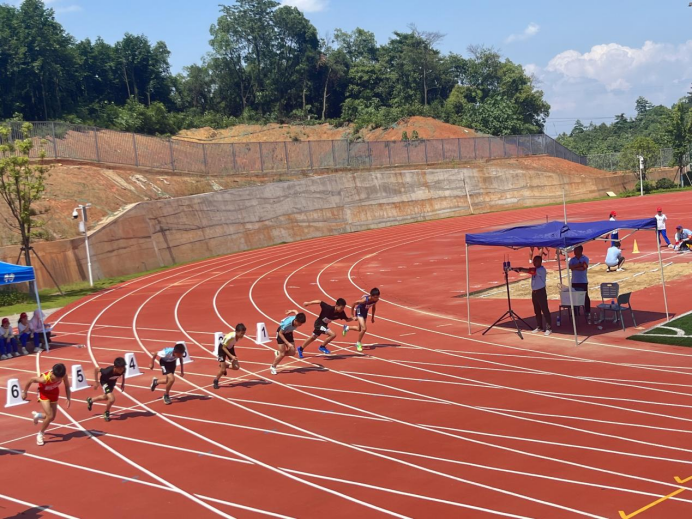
(96, 145)
(233, 156)
(370, 158)
(170, 147)
(517, 146)
(134, 146)
(474, 148)
(286, 155)
(204, 158)
(554, 148)
(334, 156)
(310, 154)
(531, 148)
(459, 149)
(504, 149)
(426, 151)
(262, 163)
(389, 154)
(55, 147)
(407, 145)
(489, 147)
(348, 153)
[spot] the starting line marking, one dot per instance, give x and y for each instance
(659, 500)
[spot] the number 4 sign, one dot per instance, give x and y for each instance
(131, 368)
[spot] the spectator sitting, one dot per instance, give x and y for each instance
(24, 332)
(8, 343)
(39, 327)
(614, 258)
(683, 239)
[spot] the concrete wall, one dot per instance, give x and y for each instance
(165, 232)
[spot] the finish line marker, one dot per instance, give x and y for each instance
(648, 506)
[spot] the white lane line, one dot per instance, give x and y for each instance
(132, 462)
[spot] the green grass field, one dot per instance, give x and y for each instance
(676, 332)
(52, 299)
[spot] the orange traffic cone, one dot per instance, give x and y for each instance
(635, 247)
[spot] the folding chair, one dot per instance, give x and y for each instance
(609, 291)
(623, 299)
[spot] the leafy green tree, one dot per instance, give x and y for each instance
(643, 146)
(679, 131)
(21, 184)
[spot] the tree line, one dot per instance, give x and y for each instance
(652, 128)
(266, 63)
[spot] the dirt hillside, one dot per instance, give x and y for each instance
(426, 127)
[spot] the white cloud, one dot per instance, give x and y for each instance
(531, 30)
(307, 6)
(607, 79)
(619, 67)
(68, 9)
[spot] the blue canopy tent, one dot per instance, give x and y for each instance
(561, 236)
(11, 273)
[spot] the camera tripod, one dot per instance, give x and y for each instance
(510, 312)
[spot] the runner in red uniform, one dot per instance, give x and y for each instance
(49, 392)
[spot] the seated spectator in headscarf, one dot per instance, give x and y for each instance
(40, 327)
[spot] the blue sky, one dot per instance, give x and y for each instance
(592, 58)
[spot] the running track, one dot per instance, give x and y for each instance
(429, 422)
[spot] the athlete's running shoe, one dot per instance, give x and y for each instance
(90, 403)
(167, 399)
(345, 329)
(299, 350)
(39, 439)
(216, 384)
(324, 350)
(155, 382)
(359, 347)
(273, 370)
(107, 416)
(37, 417)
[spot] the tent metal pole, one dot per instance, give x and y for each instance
(661, 269)
(572, 307)
(558, 259)
(466, 260)
(43, 320)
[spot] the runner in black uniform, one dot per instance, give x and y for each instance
(328, 313)
(107, 378)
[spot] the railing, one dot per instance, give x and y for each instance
(86, 143)
(612, 161)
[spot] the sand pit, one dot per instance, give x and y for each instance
(635, 277)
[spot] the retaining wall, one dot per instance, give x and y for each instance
(165, 232)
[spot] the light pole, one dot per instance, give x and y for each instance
(83, 228)
(641, 161)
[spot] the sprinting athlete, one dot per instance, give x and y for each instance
(285, 337)
(360, 310)
(168, 358)
(107, 378)
(227, 350)
(328, 313)
(48, 394)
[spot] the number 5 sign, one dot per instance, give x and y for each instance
(78, 380)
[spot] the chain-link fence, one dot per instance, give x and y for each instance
(613, 161)
(86, 143)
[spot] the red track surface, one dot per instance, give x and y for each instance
(429, 422)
